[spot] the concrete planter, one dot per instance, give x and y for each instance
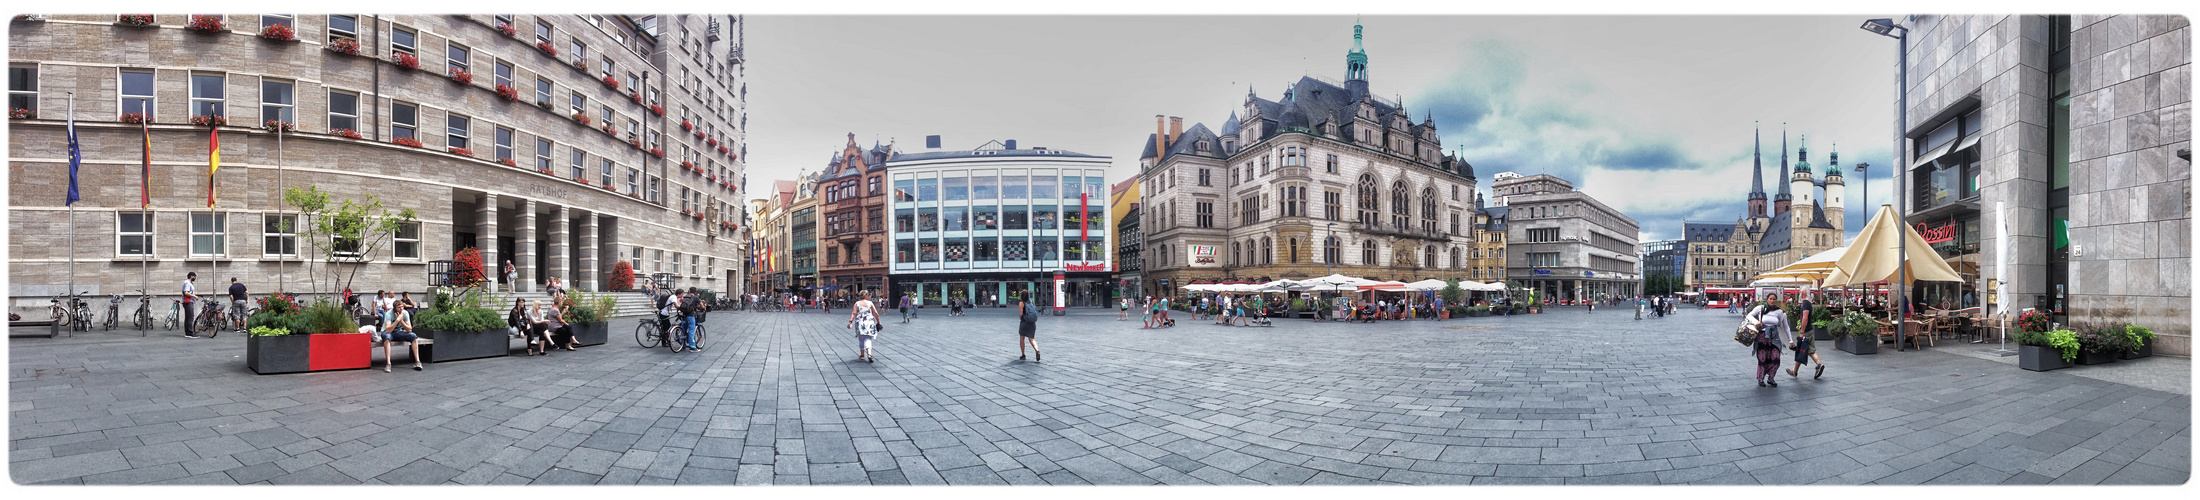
(456, 345)
(308, 352)
(2146, 349)
(592, 334)
(2040, 359)
(1857, 345)
(1817, 333)
(2086, 357)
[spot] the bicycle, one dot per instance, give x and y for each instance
(114, 311)
(210, 320)
(80, 313)
(175, 315)
(56, 312)
(700, 334)
(143, 318)
(647, 334)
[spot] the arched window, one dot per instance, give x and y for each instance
(1267, 251)
(1428, 209)
(1294, 249)
(1234, 253)
(1454, 257)
(1367, 253)
(1428, 257)
(1370, 205)
(1332, 253)
(1249, 250)
(1401, 205)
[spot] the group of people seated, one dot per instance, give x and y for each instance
(543, 324)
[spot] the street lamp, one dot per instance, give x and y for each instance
(1887, 28)
(1328, 264)
(1863, 171)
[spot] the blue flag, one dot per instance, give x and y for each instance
(76, 158)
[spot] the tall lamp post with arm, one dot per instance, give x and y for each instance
(1901, 34)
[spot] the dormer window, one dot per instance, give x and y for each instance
(1202, 146)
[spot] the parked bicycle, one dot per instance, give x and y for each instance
(143, 318)
(114, 311)
(175, 315)
(648, 335)
(210, 320)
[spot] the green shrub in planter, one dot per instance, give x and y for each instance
(262, 331)
(324, 317)
(2065, 341)
(2138, 337)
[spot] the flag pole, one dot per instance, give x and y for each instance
(281, 272)
(73, 161)
(145, 205)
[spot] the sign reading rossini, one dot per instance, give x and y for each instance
(1203, 255)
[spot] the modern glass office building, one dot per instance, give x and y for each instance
(991, 224)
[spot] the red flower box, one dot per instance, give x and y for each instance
(684, 125)
(507, 92)
(713, 141)
(545, 171)
(609, 81)
(406, 141)
(659, 152)
(608, 129)
(583, 181)
(546, 48)
(209, 121)
(507, 162)
(22, 114)
(462, 76)
(405, 60)
(634, 142)
(698, 134)
(581, 117)
(345, 132)
(636, 96)
(344, 46)
(462, 151)
(687, 165)
(278, 126)
(135, 20)
(659, 110)
(206, 24)
(507, 29)
(279, 32)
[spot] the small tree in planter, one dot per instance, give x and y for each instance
(466, 268)
(344, 233)
(622, 276)
(461, 327)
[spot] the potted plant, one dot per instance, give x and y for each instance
(22, 114)
(406, 141)
(582, 118)
(2140, 340)
(589, 316)
(278, 126)
(279, 33)
(1858, 333)
(507, 29)
(206, 24)
(1820, 319)
(685, 125)
(285, 339)
(345, 132)
(462, 151)
(507, 92)
(461, 76)
(2042, 351)
(210, 121)
(404, 60)
(134, 20)
(507, 162)
(461, 327)
(658, 109)
(345, 46)
(622, 276)
(2099, 346)
(609, 81)
(546, 48)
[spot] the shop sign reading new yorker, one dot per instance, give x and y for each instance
(1203, 255)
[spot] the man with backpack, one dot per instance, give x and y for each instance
(1027, 329)
(689, 305)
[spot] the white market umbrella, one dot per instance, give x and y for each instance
(1427, 285)
(1873, 256)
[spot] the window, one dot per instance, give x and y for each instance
(343, 111)
(1292, 157)
(23, 88)
(1401, 205)
(1428, 209)
(1206, 213)
(542, 157)
(1543, 235)
(608, 168)
(134, 233)
(206, 95)
(341, 27)
(1455, 223)
(1249, 210)
(633, 128)
(1332, 164)
(1542, 259)
(1455, 192)
(277, 101)
(504, 74)
(402, 41)
(579, 103)
(1205, 177)
(1294, 201)
(1367, 252)
(603, 66)
(633, 179)
(504, 143)
(1293, 251)
(1370, 206)
(458, 128)
(542, 32)
(1455, 261)
(579, 52)
(656, 185)
(1267, 251)
(1428, 257)
(875, 188)
(406, 245)
(460, 57)
(1332, 251)
(209, 235)
(404, 120)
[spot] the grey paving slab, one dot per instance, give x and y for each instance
(779, 400)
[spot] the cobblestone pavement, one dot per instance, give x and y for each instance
(1559, 398)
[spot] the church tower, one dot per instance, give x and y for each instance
(1781, 201)
(1355, 67)
(1756, 173)
(1835, 189)
(1804, 187)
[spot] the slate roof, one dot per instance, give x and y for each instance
(1497, 217)
(1228, 127)
(1189, 143)
(1707, 231)
(1317, 101)
(1818, 217)
(1777, 233)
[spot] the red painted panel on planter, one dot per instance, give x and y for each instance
(340, 351)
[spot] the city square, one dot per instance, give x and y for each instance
(1568, 396)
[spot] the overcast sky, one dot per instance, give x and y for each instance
(1650, 114)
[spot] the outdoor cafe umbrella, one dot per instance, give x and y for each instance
(1873, 258)
(1427, 285)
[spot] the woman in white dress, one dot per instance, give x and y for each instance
(864, 318)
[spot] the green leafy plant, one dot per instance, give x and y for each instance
(2033, 321)
(262, 331)
(585, 309)
(1451, 293)
(2063, 340)
(324, 317)
(1854, 324)
(346, 234)
(2103, 339)
(2138, 337)
(456, 312)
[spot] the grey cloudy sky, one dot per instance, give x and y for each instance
(1651, 114)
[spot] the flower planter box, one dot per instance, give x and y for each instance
(1821, 334)
(297, 353)
(2146, 349)
(592, 334)
(456, 345)
(2095, 358)
(2040, 359)
(1857, 345)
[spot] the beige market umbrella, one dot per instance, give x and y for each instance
(1873, 256)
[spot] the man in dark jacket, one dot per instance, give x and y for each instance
(1027, 328)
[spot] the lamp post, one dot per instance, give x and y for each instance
(1327, 264)
(1887, 28)
(1863, 171)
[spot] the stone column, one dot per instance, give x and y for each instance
(561, 246)
(485, 237)
(590, 272)
(524, 246)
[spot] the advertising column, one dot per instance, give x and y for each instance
(1059, 292)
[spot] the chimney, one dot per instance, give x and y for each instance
(1160, 137)
(931, 142)
(1176, 129)
(1011, 144)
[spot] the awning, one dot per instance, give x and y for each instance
(1968, 142)
(1929, 156)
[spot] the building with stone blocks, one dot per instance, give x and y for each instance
(519, 177)
(1564, 243)
(770, 240)
(1486, 262)
(1330, 178)
(853, 231)
(2081, 126)
(802, 250)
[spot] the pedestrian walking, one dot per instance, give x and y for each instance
(1806, 348)
(190, 305)
(1027, 329)
(1123, 308)
(864, 318)
(1772, 332)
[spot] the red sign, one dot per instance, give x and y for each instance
(1942, 234)
(1087, 267)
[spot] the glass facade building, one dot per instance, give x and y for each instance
(991, 224)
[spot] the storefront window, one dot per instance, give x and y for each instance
(928, 189)
(1015, 251)
(958, 251)
(928, 219)
(1042, 218)
(928, 251)
(988, 250)
(987, 218)
(958, 187)
(905, 251)
(905, 190)
(905, 221)
(1045, 251)
(952, 219)
(1042, 186)
(1012, 186)
(1012, 218)
(982, 186)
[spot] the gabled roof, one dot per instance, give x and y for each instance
(1318, 99)
(1707, 231)
(1148, 151)
(1818, 217)
(1189, 143)
(1777, 233)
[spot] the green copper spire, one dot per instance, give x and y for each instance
(1802, 155)
(1355, 62)
(1833, 161)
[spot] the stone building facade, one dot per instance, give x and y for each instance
(1486, 263)
(852, 230)
(1329, 179)
(2082, 127)
(769, 239)
(1564, 243)
(518, 177)
(1804, 219)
